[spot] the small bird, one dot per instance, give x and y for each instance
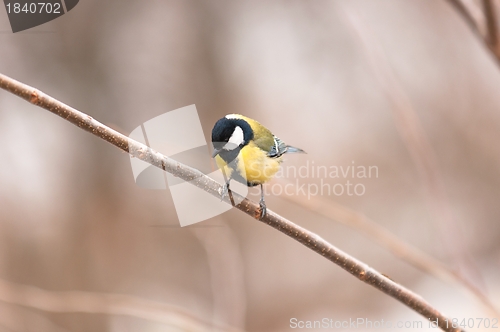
(247, 152)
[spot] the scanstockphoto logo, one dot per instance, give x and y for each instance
(178, 134)
(25, 15)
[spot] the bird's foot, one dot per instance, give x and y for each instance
(263, 209)
(223, 191)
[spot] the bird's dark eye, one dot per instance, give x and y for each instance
(222, 132)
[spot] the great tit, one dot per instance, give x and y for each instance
(247, 152)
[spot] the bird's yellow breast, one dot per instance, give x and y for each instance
(253, 165)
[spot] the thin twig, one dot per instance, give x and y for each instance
(309, 239)
(475, 10)
(492, 27)
(471, 21)
(477, 27)
(102, 303)
(406, 252)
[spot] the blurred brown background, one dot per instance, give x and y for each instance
(316, 73)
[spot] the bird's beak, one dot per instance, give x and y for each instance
(215, 153)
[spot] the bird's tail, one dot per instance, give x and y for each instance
(292, 149)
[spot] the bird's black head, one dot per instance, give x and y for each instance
(229, 135)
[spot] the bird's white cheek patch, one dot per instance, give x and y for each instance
(235, 140)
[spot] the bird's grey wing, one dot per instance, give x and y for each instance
(278, 149)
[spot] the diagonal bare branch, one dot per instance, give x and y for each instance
(309, 239)
(406, 252)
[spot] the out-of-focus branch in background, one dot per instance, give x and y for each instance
(483, 20)
(492, 26)
(101, 303)
(227, 280)
(422, 153)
